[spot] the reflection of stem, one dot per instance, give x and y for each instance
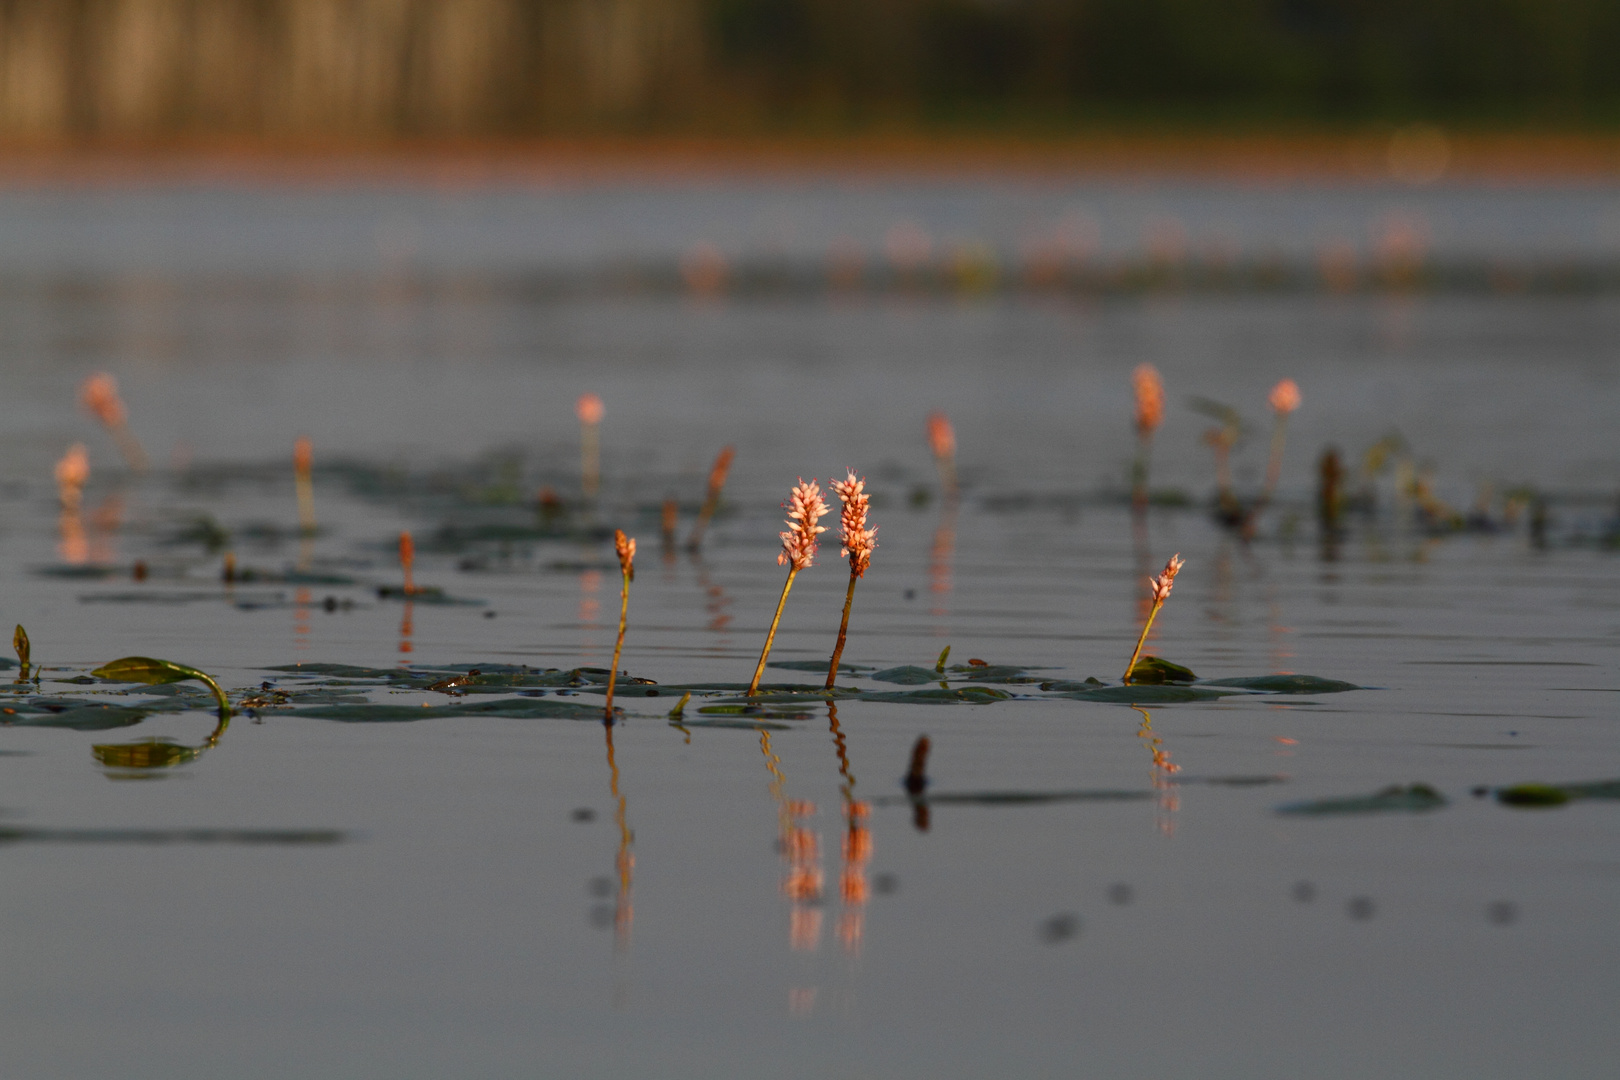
(843, 628)
(947, 475)
(857, 847)
(618, 647)
(623, 911)
(1146, 626)
(753, 687)
(1163, 772)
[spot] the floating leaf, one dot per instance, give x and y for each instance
(817, 665)
(1149, 695)
(145, 669)
(1285, 684)
(755, 710)
(514, 708)
(907, 675)
(1418, 798)
(1153, 670)
(973, 695)
(1533, 795)
(77, 717)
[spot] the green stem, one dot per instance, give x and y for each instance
(1130, 667)
(618, 647)
(753, 687)
(843, 629)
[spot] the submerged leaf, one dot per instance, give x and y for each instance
(1417, 798)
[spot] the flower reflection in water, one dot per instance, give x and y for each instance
(801, 849)
(1163, 775)
(853, 888)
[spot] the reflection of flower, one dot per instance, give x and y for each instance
(1149, 398)
(99, 395)
(1284, 397)
(72, 473)
(589, 409)
(859, 541)
(805, 507)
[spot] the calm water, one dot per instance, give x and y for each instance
(483, 913)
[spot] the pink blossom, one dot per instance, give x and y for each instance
(805, 507)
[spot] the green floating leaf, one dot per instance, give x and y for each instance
(152, 672)
(1285, 684)
(907, 675)
(755, 710)
(514, 708)
(1534, 795)
(78, 717)
(1154, 670)
(972, 695)
(1417, 798)
(817, 665)
(994, 673)
(1148, 695)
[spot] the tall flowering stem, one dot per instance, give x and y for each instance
(717, 482)
(1149, 415)
(859, 543)
(1284, 399)
(1160, 586)
(99, 396)
(942, 441)
(589, 410)
(805, 507)
(626, 548)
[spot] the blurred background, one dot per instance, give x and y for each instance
(466, 68)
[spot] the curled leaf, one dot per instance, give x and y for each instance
(151, 672)
(19, 641)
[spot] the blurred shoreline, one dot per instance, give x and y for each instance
(1413, 156)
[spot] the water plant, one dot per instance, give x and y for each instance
(626, 549)
(1160, 586)
(858, 544)
(805, 507)
(151, 672)
(717, 481)
(99, 396)
(1149, 390)
(303, 466)
(1284, 399)
(25, 653)
(589, 410)
(942, 441)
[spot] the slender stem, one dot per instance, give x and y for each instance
(618, 647)
(1139, 470)
(1274, 466)
(1130, 667)
(753, 687)
(843, 629)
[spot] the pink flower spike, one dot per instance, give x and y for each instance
(626, 549)
(859, 541)
(805, 507)
(1162, 584)
(941, 436)
(1285, 397)
(1149, 397)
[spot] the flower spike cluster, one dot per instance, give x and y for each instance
(805, 507)
(626, 548)
(99, 396)
(1162, 584)
(859, 541)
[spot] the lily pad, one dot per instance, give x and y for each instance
(1417, 798)
(1148, 695)
(1285, 684)
(1542, 795)
(79, 717)
(973, 695)
(908, 675)
(515, 708)
(817, 665)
